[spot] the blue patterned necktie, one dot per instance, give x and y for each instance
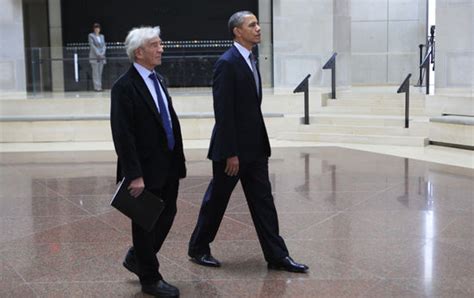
(163, 112)
(254, 71)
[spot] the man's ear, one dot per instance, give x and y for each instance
(236, 31)
(138, 53)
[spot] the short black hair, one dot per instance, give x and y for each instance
(237, 19)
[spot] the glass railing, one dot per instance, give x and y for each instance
(184, 64)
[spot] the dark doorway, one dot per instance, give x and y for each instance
(37, 45)
(195, 34)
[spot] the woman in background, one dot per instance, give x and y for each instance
(97, 55)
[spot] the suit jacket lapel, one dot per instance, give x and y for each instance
(243, 65)
(260, 82)
(145, 93)
(162, 83)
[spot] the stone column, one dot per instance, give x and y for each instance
(12, 47)
(265, 48)
(303, 41)
(342, 42)
(385, 38)
(56, 42)
(454, 46)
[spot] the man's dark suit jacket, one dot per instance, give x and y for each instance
(138, 134)
(239, 129)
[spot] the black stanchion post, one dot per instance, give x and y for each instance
(426, 65)
(427, 70)
(405, 87)
(304, 87)
(331, 64)
(432, 43)
(407, 103)
(333, 81)
(420, 79)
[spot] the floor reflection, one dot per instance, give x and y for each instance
(369, 225)
(429, 235)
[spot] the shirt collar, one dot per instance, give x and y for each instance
(243, 51)
(143, 71)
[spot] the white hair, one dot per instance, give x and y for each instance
(137, 37)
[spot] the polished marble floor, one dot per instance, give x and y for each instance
(367, 224)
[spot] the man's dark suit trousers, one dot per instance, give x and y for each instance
(147, 244)
(257, 188)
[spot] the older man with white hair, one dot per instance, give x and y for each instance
(147, 139)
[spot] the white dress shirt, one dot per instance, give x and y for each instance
(144, 73)
(244, 52)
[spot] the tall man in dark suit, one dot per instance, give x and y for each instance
(148, 142)
(239, 150)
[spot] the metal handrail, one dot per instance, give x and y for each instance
(426, 65)
(331, 64)
(304, 87)
(405, 87)
(420, 78)
(427, 60)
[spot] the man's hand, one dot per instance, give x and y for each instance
(232, 166)
(136, 187)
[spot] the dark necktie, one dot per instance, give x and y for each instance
(255, 72)
(163, 112)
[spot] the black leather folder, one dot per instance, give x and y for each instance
(143, 210)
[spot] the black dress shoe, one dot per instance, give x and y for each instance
(205, 260)
(288, 264)
(130, 262)
(161, 289)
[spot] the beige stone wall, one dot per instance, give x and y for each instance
(12, 53)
